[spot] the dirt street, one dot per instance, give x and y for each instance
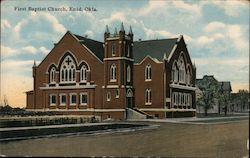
(170, 139)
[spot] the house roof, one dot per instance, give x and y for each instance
(95, 46)
(226, 86)
(206, 78)
(153, 48)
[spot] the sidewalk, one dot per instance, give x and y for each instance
(196, 120)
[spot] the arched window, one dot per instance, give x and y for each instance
(129, 93)
(148, 73)
(188, 79)
(113, 73)
(182, 71)
(175, 72)
(83, 74)
(128, 74)
(52, 75)
(117, 93)
(128, 50)
(113, 49)
(148, 97)
(108, 96)
(68, 70)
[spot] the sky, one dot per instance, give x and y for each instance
(216, 34)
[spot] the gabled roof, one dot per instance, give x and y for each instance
(95, 46)
(222, 85)
(153, 48)
(206, 78)
(226, 86)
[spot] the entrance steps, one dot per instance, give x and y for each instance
(134, 113)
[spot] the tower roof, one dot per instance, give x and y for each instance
(107, 29)
(130, 30)
(115, 33)
(34, 65)
(122, 27)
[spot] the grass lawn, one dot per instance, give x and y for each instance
(170, 139)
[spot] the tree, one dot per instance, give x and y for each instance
(243, 98)
(224, 100)
(207, 100)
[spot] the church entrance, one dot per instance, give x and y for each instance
(129, 99)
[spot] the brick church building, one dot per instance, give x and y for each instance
(153, 78)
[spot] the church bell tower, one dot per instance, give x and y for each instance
(118, 70)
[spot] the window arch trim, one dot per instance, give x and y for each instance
(182, 71)
(128, 73)
(129, 93)
(67, 53)
(68, 70)
(174, 72)
(113, 73)
(52, 80)
(84, 70)
(189, 75)
(148, 72)
(83, 62)
(148, 96)
(52, 75)
(51, 66)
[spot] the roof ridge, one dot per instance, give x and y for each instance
(157, 39)
(88, 38)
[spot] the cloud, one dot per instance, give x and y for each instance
(16, 66)
(55, 23)
(152, 5)
(30, 49)
(230, 38)
(89, 34)
(35, 17)
(5, 24)
(214, 26)
(44, 50)
(191, 8)
(204, 40)
(8, 51)
(153, 33)
(231, 8)
(19, 25)
(219, 61)
(235, 33)
(115, 16)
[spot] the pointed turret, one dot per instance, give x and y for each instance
(194, 65)
(115, 33)
(130, 31)
(106, 34)
(122, 28)
(34, 65)
(107, 29)
(34, 69)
